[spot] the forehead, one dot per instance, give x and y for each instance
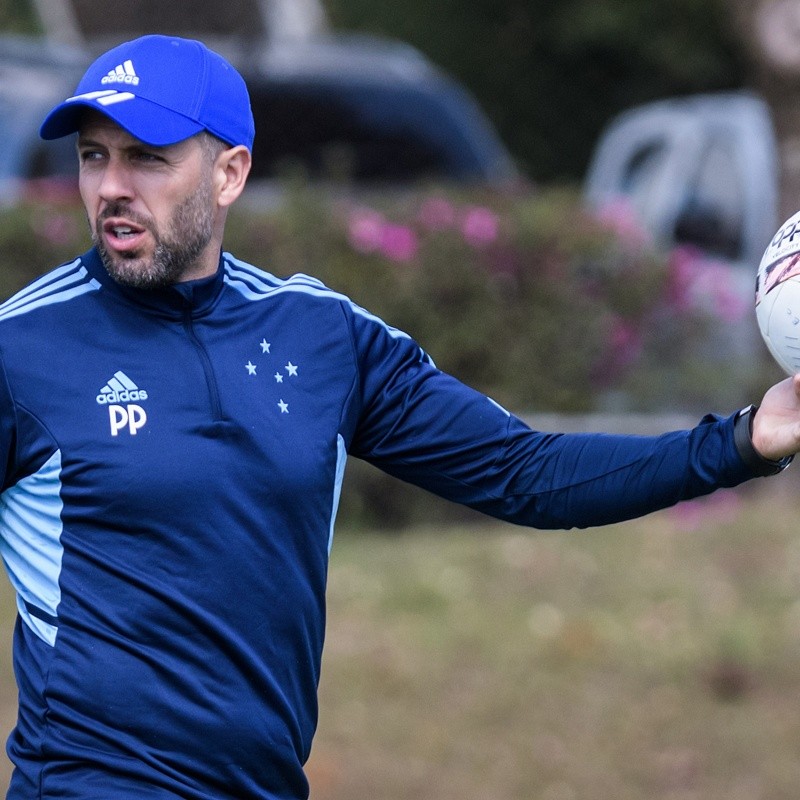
(95, 125)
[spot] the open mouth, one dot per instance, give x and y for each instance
(123, 234)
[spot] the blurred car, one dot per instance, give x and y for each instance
(367, 110)
(33, 77)
(698, 173)
(330, 108)
(699, 170)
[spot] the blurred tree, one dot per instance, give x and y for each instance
(17, 16)
(551, 74)
(769, 34)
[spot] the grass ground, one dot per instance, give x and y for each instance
(657, 659)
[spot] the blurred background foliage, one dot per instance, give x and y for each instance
(18, 16)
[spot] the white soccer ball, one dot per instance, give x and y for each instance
(778, 295)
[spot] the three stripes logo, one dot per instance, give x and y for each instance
(118, 391)
(122, 73)
(106, 97)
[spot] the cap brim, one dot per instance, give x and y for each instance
(144, 120)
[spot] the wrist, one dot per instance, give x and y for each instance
(743, 438)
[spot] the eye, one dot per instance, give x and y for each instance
(86, 155)
(148, 157)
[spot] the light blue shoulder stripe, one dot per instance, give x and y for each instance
(49, 278)
(341, 460)
(30, 543)
(261, 277)
(255, 284)
(59, 286)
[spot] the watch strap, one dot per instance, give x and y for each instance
(743, 437)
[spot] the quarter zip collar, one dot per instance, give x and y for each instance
(195, 297)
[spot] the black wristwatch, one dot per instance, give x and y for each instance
(743, 437)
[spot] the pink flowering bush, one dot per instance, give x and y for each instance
(527, 297)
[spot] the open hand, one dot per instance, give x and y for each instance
(776, 426)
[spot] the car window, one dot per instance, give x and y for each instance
(641, 167)
(713, 212)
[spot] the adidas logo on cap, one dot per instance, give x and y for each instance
(122, 73)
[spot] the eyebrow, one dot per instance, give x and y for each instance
(88, 139)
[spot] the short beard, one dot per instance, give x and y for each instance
(176, 251)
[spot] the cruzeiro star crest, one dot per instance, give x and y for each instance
(281, 372)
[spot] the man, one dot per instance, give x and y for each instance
(173, 432)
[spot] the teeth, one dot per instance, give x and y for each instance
(122, 232)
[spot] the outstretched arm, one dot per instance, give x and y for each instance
(425, 427)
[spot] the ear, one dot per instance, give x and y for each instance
(230, 173)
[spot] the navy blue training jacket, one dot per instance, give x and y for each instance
(171, 467)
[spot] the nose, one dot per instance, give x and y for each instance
(115, 181)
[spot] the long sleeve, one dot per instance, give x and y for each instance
(427, 428)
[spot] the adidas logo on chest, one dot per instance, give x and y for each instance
(120, 389)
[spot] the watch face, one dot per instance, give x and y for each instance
(778, 31)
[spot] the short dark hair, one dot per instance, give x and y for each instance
(212, 145)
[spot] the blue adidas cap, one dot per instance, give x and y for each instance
(161, 89)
